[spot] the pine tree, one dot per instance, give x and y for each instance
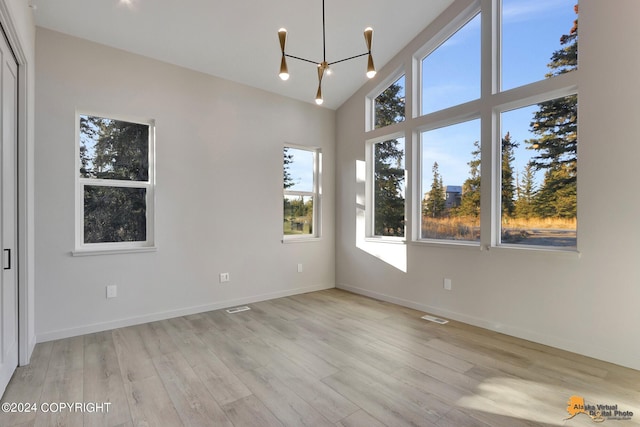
(434, 204)
(554, 200)
(389, 106)
(508, 187)
(470, 204)
(388, 189)
(287, 160)
(555, 124)
(388, 171)
(524, 205)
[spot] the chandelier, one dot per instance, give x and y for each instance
(323, 66)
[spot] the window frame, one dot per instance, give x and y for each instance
(538, 98)
(316, 194)
(370, 119)
(370, 188)
(449, 30)
(82, 248)
(455, 120)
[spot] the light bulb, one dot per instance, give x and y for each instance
(319, 101)
(371, 69)
(284, 70)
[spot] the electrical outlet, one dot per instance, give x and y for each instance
(299, 268)
(225, 277)
(112, 291)
(447, 284)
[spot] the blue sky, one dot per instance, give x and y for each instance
(531, 33)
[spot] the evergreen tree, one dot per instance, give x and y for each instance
(389, 106)
(555, 124)
(555, 199)
(388, 189)
(470, 204)
(287, 160)
(508, 187)
(388, 168)
(434, 204)
(524, 205)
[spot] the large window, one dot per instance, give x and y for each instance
(493, 140)
(115, 179)
(301, 182)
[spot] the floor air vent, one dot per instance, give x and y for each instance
(435, 319)
(238, 309)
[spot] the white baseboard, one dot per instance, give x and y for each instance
(152, 317)
(586, 349)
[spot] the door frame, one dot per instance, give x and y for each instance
(25, 172)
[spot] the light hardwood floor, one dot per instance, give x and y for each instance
(328, 358)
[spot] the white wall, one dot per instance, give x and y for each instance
(588, 304)
(219, 191)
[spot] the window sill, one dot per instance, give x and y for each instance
(538, 250)
(389, 240)
(541, 250)
(113, 251)
(300, 239)
(464, 244)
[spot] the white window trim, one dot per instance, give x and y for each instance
(417, 236)
(370, 183)
(316, 194)
(370, 108)
(432, 45)
(84, 249)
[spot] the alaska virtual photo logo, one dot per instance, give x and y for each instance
(598, 412)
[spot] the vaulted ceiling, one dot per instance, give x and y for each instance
(237, 40)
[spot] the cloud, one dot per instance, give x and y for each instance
(518, 11)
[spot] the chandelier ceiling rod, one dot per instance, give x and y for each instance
(324, 65)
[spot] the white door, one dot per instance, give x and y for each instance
(9, 214)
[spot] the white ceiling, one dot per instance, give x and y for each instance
(237, 40)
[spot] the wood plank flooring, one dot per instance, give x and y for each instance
(328, 358)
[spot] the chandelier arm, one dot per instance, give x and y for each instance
(302, 59)
(324, 38)
(351, 57)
